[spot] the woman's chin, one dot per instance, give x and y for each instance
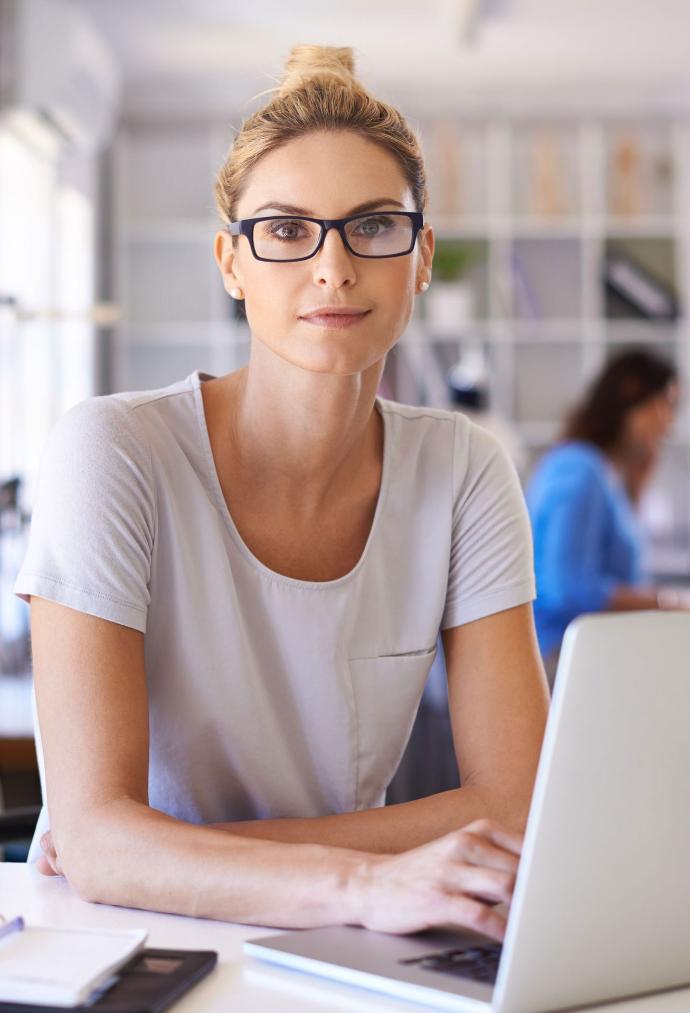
(342, 361)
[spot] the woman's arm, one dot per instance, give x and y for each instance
(114, 848)
(498, 703)
(628, 598)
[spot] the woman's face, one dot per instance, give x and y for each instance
(326, 175)
(649, 422)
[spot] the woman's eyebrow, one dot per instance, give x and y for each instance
(290, 209)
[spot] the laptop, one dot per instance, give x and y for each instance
(601, 908)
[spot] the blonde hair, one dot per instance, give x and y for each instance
(319, 91)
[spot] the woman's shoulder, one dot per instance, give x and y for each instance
(575, 454)
(418, 421)
(415, 413)
(432, 445)
(444, 435)
(113, 419)
(570, 464)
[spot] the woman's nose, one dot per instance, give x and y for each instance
(333, 264)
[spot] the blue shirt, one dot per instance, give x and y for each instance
(587, 539)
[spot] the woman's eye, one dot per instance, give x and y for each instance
(285, 230)
(373, 226)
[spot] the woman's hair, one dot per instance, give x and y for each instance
(319, 92)
(629, 379)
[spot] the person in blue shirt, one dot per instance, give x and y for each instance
(583, 495)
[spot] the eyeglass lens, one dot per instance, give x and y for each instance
(378, 235)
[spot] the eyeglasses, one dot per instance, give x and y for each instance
(294, 237)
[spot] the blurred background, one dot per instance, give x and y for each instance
(557, 140)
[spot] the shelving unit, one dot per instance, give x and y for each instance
(551, 200)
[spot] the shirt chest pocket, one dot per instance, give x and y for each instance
(386, 691)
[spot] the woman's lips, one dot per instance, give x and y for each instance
(336, 320)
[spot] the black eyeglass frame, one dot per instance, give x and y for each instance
(245, 227)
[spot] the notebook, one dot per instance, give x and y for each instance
(61, 967)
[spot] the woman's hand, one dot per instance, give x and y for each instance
(49, 863)
(456, 879)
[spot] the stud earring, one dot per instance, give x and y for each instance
(423, 286)
(236, 293)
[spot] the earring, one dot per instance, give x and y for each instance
(236, 293)
(423, 286)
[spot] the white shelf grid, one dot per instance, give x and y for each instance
(589, 335)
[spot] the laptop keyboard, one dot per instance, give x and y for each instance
(480, 963)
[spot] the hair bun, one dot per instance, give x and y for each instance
(307, 62)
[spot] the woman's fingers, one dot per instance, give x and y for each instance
(472, 914)
(45, 867)
(508, 840)
(48, 863)
(471, 847)
(492, 885)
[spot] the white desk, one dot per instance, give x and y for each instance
(238, 983)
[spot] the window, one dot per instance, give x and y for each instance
(46, 288)
(46, 340)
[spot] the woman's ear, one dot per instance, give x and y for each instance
(425, 256)
(226, 258)
(426, 246)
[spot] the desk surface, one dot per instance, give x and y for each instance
(239, 982)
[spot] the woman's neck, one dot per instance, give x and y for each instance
(305, 430)
(635, 465)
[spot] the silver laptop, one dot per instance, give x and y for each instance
(601, 908)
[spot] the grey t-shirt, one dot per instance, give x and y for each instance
(271, 696)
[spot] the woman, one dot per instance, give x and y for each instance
(237, 582)
(582, 497)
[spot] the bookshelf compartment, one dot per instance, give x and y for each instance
(547, 279)
(545, 172)
(639, 170)
(548, 381)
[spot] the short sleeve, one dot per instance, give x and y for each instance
(93, 523)
(491, 562)
(573, 519)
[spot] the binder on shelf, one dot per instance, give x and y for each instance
(644, 294)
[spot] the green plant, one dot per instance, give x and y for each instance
(454, 258)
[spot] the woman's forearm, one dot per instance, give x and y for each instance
(389, 829)
(126, 853)
(628, 598)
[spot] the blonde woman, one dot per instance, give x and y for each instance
(237, 582)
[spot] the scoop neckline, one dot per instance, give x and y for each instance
(197, 378)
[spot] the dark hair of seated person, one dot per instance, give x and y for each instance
(629, 379)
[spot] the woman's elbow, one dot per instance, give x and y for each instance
(68, 852)
(92, 854)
